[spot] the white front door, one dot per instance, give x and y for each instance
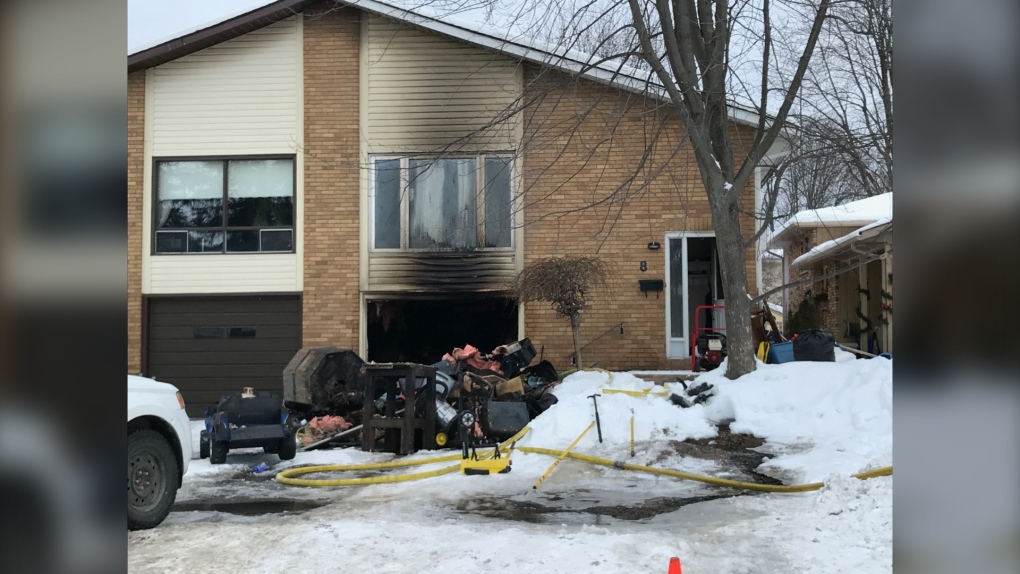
(691, 281)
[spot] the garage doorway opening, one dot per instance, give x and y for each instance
(422, 330)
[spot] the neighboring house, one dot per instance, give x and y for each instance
(849, 249)
(313, 173)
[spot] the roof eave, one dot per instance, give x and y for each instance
(860, 237)
(781, 238)
(215, 34)
(272, 13)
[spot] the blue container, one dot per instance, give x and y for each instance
(781, 353)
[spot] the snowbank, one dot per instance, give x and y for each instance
(844, 527)
(655, 418)
(819, 418)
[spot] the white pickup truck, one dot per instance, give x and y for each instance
(158, 448)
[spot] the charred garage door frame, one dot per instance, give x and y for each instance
(211, 345)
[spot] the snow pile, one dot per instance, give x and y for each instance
(655, 418)
(819, 418)
(844, 527)
(855, 516)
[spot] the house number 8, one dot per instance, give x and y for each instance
(644, 266)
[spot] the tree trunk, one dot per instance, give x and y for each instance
(575, 327)
(733, 266)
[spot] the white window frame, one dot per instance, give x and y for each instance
(685, 340)
(405, 203)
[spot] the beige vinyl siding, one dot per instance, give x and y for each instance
(445, 272)
(426, 92)
(423, 93)
(241, 273)
(238, 97)
(241, 97)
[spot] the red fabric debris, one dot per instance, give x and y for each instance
(472, 356)
(328, 424)
(321, 427)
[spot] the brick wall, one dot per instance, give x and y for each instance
(331, 194)
(797, 247)
(582, 142)
(831, 315)
(135, 183)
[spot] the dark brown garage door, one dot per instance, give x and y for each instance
(212, 346)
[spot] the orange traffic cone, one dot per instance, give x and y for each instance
(674, 566)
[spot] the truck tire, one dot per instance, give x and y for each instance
(288, 448)
(152, 478)
(218, 452)
(203, 444)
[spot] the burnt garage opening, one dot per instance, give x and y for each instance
(422, 330)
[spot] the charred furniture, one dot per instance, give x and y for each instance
(389, 381)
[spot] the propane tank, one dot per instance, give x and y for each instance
(445, 413)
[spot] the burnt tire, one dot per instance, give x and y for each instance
(152, 479)
(203, 444)
(218, 452)
(287, 448)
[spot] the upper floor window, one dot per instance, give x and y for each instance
(442, 204)
(224, 206)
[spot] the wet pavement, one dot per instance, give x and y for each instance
(249, 507)
(242, 493)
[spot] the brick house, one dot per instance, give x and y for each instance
(319, 173)
(849, 249)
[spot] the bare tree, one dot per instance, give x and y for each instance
(686, 48)
(847, 101)
(567, 283)
(691, 61)
(814, 174)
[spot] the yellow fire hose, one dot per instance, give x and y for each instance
(643, 393)
(885, 471)
(286, 476)
(561, 456)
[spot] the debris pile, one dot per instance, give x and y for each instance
(501, 390)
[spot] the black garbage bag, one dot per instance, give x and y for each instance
(814, 345)
(539, 404)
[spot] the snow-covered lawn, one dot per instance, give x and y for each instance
(823, 421)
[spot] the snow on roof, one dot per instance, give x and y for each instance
(822, 249)
(776, 308)
(860, 212)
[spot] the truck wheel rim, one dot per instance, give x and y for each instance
(145, 479)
